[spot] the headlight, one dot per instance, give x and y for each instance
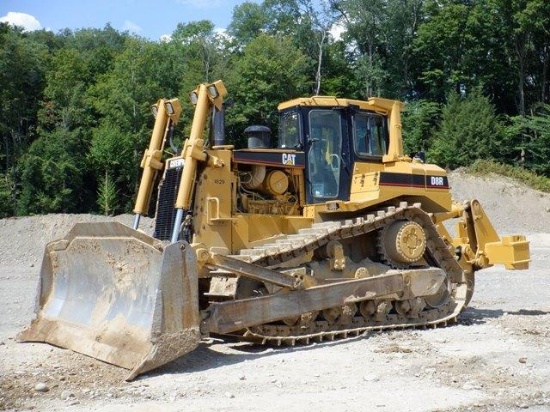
(213, 91)
(194, 97)
(169, 108)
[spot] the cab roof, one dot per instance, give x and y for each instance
(374, 103)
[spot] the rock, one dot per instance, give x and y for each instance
(522, 360)
(41, 387)
(229, 395)
(371, 378)
(67, 395)
(470, 386)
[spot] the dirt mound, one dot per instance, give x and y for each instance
(23, 239)
(511, 206)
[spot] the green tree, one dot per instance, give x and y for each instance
(338, 75)
(309, 24)
(321, 21)
(270, 71)
(469, 130)
(199, 52)
(441, 45)
(97, 47)
(535, 131)
(526, 38)
(107, 196)
(65, 121)
(51, 175)
(124, 95)
(380, 36)
(364, 22)
(399, 32)
(249, 20)
(75, 106)
(23, 64)
(420, 121)
(110, 157)
(6, 196)
(66, 83)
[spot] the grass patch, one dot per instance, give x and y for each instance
(534, 181)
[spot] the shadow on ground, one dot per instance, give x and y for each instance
(209, 355)
(477, 316)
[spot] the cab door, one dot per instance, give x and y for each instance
(327, 156)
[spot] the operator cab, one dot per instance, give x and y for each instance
(333, 133)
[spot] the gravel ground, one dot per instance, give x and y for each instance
(494, 359)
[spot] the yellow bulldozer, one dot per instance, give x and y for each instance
(332, 233)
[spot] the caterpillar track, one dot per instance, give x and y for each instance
(352, 319)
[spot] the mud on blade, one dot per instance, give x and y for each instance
(117, 295)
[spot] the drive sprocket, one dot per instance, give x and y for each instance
(402, 244)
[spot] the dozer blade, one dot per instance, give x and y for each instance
(117, 295)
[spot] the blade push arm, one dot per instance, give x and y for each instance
(205, 96)
(167, 115)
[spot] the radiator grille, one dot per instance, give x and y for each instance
(166, 212)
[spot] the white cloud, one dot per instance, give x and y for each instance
(131, 27)
(28, 22)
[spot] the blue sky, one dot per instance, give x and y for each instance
(148, 19)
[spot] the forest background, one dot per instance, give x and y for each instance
(75, 106)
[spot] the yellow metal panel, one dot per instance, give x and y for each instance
(366, 189)
(213, 204)
(511, 251)
(251, 230)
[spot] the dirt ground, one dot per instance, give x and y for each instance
(495, 359)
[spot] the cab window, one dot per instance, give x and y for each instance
(289, 131)
(324, 160)
(370, 135)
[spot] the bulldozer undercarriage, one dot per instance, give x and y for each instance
(363, 303)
